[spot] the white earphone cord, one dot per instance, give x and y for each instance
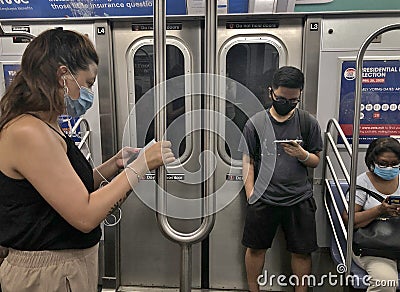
(103, 183)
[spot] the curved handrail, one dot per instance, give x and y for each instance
(184, 239)
(86, 136)
(331, 222)
(356, 133)
(337, 184)
(328, 138)
(328, 165)
(85, 140)
(335, 123)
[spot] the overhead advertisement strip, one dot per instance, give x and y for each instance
(19, 9)
(11, 9)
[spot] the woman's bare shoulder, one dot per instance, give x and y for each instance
(26, 129)
(26, 136)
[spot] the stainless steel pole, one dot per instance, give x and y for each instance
(159, 83)
(184, 239)
(356, 134)
(210, 86)
(186, 267)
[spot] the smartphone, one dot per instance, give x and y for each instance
(394, 199)
(147, 146)
(139, 151)
(134, 155)
(288, 141)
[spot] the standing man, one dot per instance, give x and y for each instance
(286, 199)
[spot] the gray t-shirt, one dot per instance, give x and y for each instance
(289, 182)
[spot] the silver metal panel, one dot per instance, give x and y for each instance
(147, 258)
(345, 33)
(311, 49)
(105, 81)
(285, 5)
(227, 270)
(261, 6)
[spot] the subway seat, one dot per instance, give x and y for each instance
(356, 271)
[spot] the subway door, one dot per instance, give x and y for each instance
(147, 258)
(249, 56)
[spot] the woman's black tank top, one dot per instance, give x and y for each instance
(28, 222)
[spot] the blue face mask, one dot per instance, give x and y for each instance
(386, 173)
(78, 107)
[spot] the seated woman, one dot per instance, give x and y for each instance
(382, 159)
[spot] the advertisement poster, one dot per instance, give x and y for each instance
(84, 8)
(380, 100)
(10, 9)
(345, 5)
(9, 71)
(108, 8)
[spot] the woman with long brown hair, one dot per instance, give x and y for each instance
(50, 201)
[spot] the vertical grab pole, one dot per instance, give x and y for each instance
(356, 134)
(159, 58)
(210, 82)
(186, 267)
(186, 240)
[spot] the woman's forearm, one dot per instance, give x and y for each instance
(107, 170)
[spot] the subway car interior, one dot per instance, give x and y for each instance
(214, 65)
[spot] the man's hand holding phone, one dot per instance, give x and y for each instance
(291, 142)
(294, 149)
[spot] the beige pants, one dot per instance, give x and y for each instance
(50, 271)
(383, 273)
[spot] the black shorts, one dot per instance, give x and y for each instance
(297, 221)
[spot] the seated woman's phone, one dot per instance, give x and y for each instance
(394, 199)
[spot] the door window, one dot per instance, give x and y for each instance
(252, 65)
(144, 81)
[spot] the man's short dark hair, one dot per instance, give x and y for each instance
(379, 146)
(289, 77)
